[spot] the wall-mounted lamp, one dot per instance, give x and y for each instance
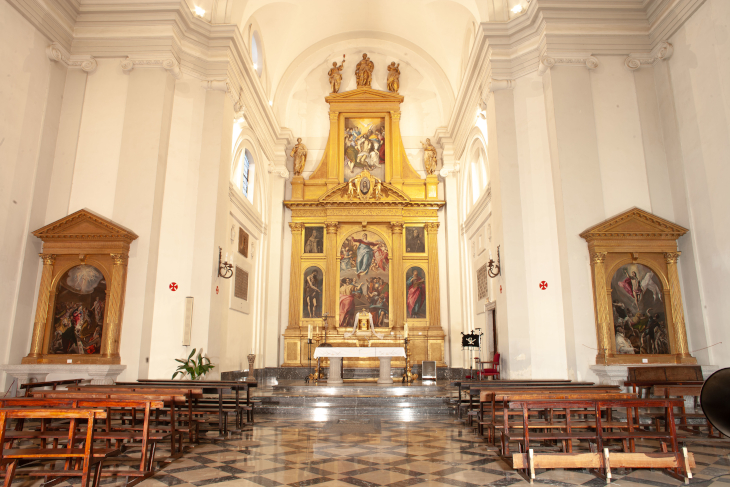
(494, 269)
(225, 270)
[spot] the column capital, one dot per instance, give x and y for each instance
(548, 60)
(331, 227)
(500, 84)
(296, 226)
(334, 116)
(395, 115)
(598, 257)
(48, 259)
(671, 257)
(661, 52)
(432, 227)
(168, 63)
(57, 53)
(119, 259)
(396, 227)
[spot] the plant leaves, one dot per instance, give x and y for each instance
(191, 354)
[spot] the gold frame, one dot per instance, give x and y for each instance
(306, 265)
(81, 238)
(424, 268)
(416, 255)
(304, 240)
(638, 237)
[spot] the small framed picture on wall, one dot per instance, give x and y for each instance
(242, 242)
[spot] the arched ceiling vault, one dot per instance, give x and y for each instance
(299, 35)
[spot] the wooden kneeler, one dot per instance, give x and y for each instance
(597, 461)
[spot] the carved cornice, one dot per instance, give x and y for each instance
(169, 64)
(547, 61)
(246, 208)
(94, 228)
(634, 223)
(56, 52)
(661, 52)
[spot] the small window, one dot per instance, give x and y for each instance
(244, 179)
(257, 53)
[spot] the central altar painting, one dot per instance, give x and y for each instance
(364, 278)
(364, 229)
(364, 147)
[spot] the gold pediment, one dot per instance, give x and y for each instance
(364, 188)
(364, 95)
(85, 225)
(634, 223)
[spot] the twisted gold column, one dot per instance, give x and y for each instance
(675, 295)
(112, 331)
(331, 285)
(397, 280)
(432, 288)
(41, 313)
(295, 298)
(602, 314)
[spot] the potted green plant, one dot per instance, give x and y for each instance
(195, 367)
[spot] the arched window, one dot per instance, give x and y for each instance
(247, 174)
(257, 54)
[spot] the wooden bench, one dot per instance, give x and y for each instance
(169, 401)
(121, 436)
(599, 459)
(78, 461)
(52, 384)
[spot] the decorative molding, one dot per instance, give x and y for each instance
(246, 208)
(661, 52)
(217, 85)
(450, 169)
(56, 52)
(500, 84)
(635, 223)
(278, 169)
(547, 61)
(169, 64)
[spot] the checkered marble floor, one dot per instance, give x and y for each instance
(369, 451)
(373, 451)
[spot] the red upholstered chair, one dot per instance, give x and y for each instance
(490, 372)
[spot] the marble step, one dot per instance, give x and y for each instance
(354, 404)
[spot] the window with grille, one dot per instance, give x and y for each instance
(244, 172)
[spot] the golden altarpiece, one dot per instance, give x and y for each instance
(81, 295)
(364, 237)
(637, 295)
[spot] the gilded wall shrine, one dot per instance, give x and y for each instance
(364, 238)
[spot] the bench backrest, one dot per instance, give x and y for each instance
(669, 373)
(592, 403)
(518, 397)
(102, 395)
(144, 390)
(486, 394)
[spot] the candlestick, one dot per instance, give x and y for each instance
(309, 332)
(405, 331)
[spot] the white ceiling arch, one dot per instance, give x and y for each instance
(417, 67)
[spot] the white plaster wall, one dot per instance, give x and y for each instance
(700, 69)
(30, 98)
(546, 321)
(100, 139)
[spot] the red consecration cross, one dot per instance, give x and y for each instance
(173, 286)
(543, 285)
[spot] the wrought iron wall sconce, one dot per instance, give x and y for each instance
(225, 270)
(494, 269)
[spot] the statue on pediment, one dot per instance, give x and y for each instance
(364, 72)
(299, 153)
(393, 77)
(335, 74)
(429, 157)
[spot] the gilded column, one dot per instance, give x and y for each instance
(605, 349)
(675, 294)
(112, 332)
(295, 285)
(41, 313)
(331, 285)
(397, 166)
(432, 288)
(334, 151)
(397, 281)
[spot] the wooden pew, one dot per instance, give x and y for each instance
(52, 384)
(87, 455)
(599, 459)
(147, 439)
(170, 403)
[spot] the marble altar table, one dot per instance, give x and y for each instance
(335, 355)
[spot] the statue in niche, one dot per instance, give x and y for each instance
(429, 157)
(299, 153)
(364, 72)
(335, 74)
(393, 77)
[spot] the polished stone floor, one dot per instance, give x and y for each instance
(375, 451)
(372, 451)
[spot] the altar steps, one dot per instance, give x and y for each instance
(356, 399)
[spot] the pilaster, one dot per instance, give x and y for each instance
(605, 344)
(432, 291)
(44, 297)
(675, 294)
(295, 297)
(331, 300)
(397, 278)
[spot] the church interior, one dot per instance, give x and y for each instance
(289, 242)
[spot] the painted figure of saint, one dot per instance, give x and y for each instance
(313, 245)
(416, 286)
(347, 301)
(365, 254)
(313, 293)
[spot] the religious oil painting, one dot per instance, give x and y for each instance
(78, 318)
(416, 293)
(242, 242)
(364, 278)
(313, 286)
(313, 242)
(415, 240)
(364, 147)
(640, 323)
